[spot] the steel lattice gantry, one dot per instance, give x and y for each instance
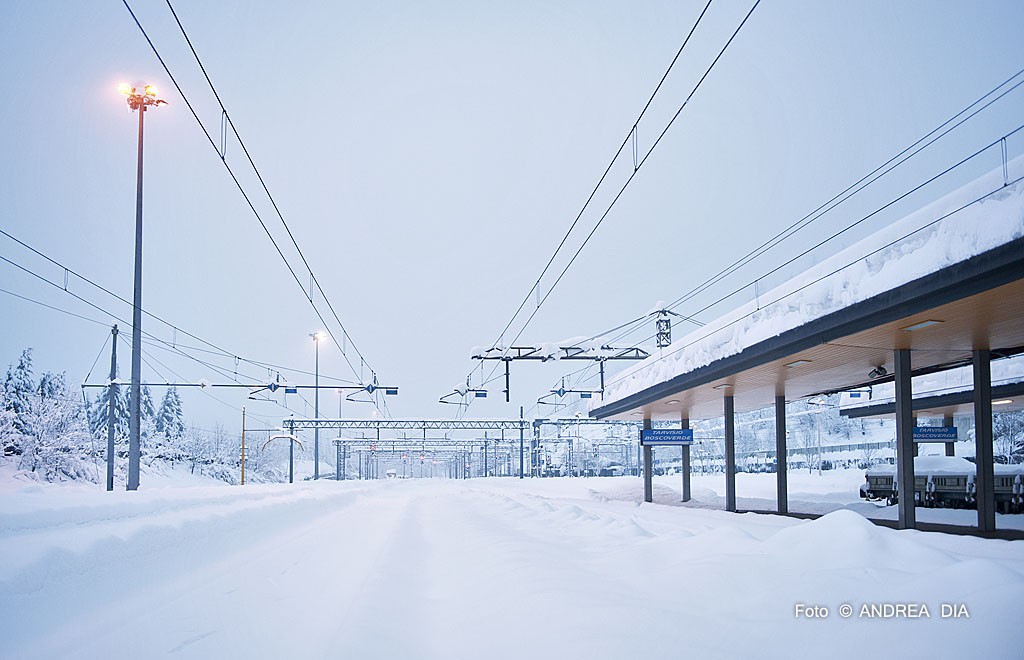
(400, 424)
(376, 425)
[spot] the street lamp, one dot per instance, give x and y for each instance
(317, 336)
(141, 97)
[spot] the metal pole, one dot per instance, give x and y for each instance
(730, 453)
(904, 441)
(985, 479)
(112, 390)
(781, 485)
(316, 409)
(520, 442)
(134, 443)
(291, 453)
(243, 445)
(337, 462)
(648, 466)
(684, 423)
(947, 421)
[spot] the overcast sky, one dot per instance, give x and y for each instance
(428, 158)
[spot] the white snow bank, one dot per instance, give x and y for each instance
(496, 568)
(977, 217)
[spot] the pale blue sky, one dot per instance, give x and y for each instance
(429, 156)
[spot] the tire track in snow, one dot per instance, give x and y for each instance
(392, 614)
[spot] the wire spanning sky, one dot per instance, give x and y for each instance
(429, 157)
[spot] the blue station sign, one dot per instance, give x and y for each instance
(677, 437)
(935, 434)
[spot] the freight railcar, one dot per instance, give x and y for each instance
(946, 481)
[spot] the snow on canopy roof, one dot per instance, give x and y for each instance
(979, 216)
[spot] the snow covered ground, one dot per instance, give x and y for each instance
(484, 568)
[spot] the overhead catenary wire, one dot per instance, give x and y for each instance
(146, 354)
(70, 271)
(245, 195)
(874, 175)
(106, 340)
(219, 370)
(227, 116)
(916, 147)
(844, 230)
(117, 318)
(807, 284)
(52, 307)
(177, 348)
(622, 190)
(601, 180)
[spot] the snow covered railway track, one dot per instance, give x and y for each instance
(111, 551)
(157, 524)
(125, 507)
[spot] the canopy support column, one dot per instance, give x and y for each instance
(904, 440)
(730, 453)
(985, 479)
(648, 465)
(781, 485)
(684, 423)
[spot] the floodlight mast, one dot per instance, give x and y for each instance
(139, 101)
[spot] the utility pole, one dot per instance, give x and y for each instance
(316, 406)
(112, 390)
(243, 445)
(291, 452)
(520, 442)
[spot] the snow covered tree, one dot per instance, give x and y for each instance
(52, 385)
(57, 443)
(1008, 435)
(148, 433)
(147, 411)
(16, 402)
(100, 411)
(167, 429)
(9, 434)
(170, 419)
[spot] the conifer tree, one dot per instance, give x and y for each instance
(170, 419)
(100, 410)
(16, 401)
